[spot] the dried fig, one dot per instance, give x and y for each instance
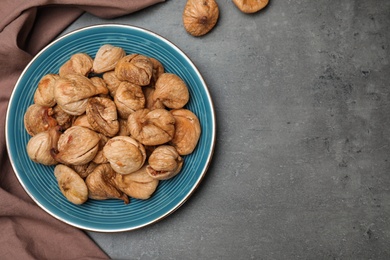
(77, 145)
(102, 115)
(112, 82)
(44, 94)
(138, 185)
(82, 120)
(128, 98)
(85, 169)
(164, 163)
(171, 90)
(72, 186)
(72, 92)
(250, 6)
(101, 184)
(151, 127)
(123, 130)
(99, 83)
(38, 119)
(135, 68)
(100, 158)
(158, 69)
(187, 131)
(199, 17)
(106, 58)
(40, 145)
(79, 63)
(149, 102)
(125, 154)
(64, 120)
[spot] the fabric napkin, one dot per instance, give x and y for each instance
(28, 232)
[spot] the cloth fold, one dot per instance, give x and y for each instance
(28, 232)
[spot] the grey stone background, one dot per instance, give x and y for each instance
(301, 164)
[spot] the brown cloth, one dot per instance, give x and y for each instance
(28, 232)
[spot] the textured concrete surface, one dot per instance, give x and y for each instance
(302, 162)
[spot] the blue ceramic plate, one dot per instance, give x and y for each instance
(109, 215)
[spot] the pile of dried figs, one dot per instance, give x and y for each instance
(114, 125)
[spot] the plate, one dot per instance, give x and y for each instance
(109, 215)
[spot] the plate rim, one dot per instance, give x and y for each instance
(209, 101)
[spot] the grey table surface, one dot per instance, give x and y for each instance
(301, 168)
